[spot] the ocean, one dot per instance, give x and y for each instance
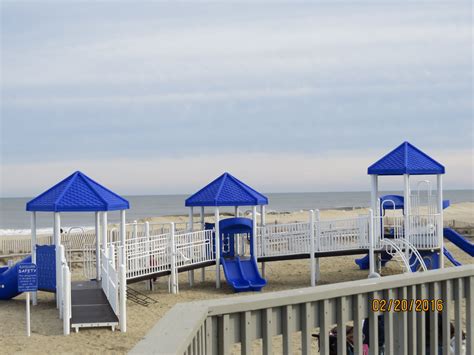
(15, 220)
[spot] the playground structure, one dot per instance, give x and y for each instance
(94, 302)
(414, 239)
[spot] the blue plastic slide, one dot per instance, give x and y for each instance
(242, 274)
(364, 261)
(9, 280)
(251, 274)
(458, 240)
(233, 274)
(450, 257)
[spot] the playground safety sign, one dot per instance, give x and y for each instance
(27, 282)
(27, 278)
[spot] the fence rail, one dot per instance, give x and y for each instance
(214, 327)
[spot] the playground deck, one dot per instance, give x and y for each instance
(90, 307)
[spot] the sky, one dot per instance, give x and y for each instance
(161, 98)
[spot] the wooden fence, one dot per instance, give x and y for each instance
(214, 327)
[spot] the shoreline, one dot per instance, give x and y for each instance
(462, 212)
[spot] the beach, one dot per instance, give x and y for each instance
(283, 275)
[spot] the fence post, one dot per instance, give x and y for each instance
(254, 232)
(112, 255)
(312, 248)
(149, 283)
(372, 273)
(317, 242)
(217, 243)
(33, 251)
(59, 280)
(262, 238)
(136, 247)
(57, 243)
(172, 247)
(123, 297)
(66, 299)
(190, 230)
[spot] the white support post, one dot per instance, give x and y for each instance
(104, 232)
(217, 243)
(123, 297)
(317, 235)
(66, 300)
(172, 252)
(203, 225)
(190, 229)
(262, 241)
(374, 184)
(33, 251)
(28, 315)
(312, 251)
(407, 211)
(372, 273)
(236, 211)
(97, 246)
(190, 219)
(254, 231)
(60, 282)
(57, 243)
(439, 187)
(123, 237)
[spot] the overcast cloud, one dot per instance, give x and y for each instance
(160, 97)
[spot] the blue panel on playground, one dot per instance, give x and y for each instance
(46, 264)
(27, 278)
(228, 228)
(235, 225)
(226, 190)
(389, 202)
(77, 193)
(406, 159)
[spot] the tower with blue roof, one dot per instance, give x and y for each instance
(226, 191)
(78, 193)
(407, 160)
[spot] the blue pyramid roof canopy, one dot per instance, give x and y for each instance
(406, 159)
(226, 190)
(77, 193)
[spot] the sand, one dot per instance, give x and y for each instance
(47, 327)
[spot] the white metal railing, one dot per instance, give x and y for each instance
(109, 277)
(147, 255)
(422, 229)
(343, 234)
(194, 248)
(283, 239)
(330, 235)
(114, 282)
(89, 268)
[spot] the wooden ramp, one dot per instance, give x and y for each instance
(90, 307)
